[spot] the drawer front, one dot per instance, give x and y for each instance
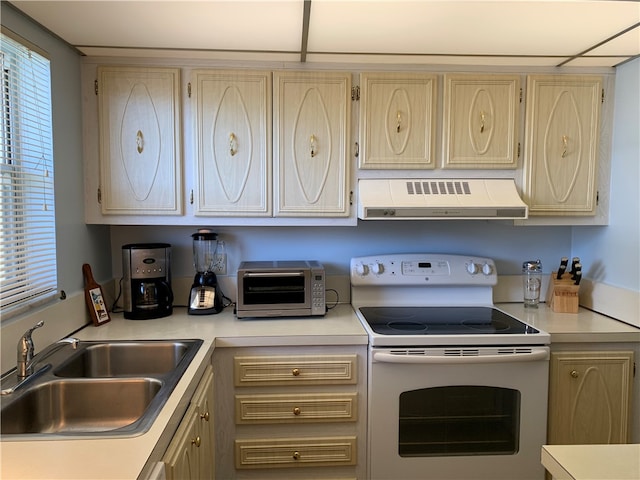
(300, 408)
(298, 370)
(295, 452)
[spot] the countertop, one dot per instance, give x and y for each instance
(585, 326)
(125, 458)
(592, 462)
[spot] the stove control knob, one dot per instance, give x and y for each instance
(377, 268)
(362, 269)
(487, 269)
(472, 268)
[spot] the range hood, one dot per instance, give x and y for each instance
(439, 198)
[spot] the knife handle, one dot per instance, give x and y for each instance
(574, 261)
(564, 261)
(577, 271)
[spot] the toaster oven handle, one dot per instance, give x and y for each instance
(273, 274)
(535, 355)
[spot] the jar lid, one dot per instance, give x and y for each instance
(204, 234)
(532, 266)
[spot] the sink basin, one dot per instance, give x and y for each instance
(111, 388)
(118, 359)
(68, 406)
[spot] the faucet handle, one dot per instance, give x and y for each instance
(28, 333)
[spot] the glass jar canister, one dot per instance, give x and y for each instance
(531, 282)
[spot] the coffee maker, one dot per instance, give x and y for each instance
(146, 281)
(205, 297)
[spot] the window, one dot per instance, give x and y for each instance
(28, 272)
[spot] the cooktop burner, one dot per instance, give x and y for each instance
(443, 321)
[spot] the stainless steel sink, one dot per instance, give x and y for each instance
(103, 388)
(70, 406)
(124, 359)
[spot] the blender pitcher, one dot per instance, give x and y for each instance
(205, 297)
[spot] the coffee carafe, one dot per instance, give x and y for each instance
(205, 297)
(146, 280)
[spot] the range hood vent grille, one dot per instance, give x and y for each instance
(438, 187)
(430, 199)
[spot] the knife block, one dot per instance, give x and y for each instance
(563, 294)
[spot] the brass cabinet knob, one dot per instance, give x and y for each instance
(295, 372)
(574, 374)
(196, 441)
(296, 410)
(205, 416)
(296, 455)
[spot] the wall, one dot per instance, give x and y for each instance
(77, 243)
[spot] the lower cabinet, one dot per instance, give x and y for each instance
(590, 397)
(191, 453)
(294, 412)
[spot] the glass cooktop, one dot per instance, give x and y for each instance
(443, 321)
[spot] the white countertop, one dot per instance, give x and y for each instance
(584, 326)
(125, 458)
(592, 462)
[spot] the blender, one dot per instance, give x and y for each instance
(205, 297)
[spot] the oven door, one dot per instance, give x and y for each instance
(274, 290)
(457, 413)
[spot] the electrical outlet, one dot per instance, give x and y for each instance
(220, 264)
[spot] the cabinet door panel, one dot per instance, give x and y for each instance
(481, 121)
(183, 455)
(233, 139)
(140, 143)
(561, 149)
(590, 395)
(312, 131)
(397, 120)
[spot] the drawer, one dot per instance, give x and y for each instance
(295, 452)
(298, 408)
(296, 370)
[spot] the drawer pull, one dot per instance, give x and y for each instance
(296, 455)
(574, 373)
(196, 441)
(205, 416)
(295, 372)
(296, 410)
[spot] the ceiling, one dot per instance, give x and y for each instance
(576, 33)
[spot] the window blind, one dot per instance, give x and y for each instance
(28, 271)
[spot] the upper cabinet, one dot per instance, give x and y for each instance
(397, 120)
(561, 144)
(139, 119)
(480, 121)
(311, 143)
(232, 142)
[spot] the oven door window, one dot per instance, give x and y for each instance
(459, 420)
(274, 290)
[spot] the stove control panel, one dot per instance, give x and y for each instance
(423, 269)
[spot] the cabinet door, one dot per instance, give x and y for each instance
(590, 397)
(203, 401)
(561, 145)
(397, 120)
(312, 124)
(480, 128)
(233, 143)
(182, 456)
(140, 143)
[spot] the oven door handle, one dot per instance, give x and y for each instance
(533, 356)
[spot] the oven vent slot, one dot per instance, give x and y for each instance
(414, 351)
(514, 350)
(461, 352)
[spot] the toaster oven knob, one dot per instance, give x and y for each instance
(487, 269)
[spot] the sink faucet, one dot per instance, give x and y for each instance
(26, 357)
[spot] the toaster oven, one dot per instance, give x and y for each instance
(281, 289)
